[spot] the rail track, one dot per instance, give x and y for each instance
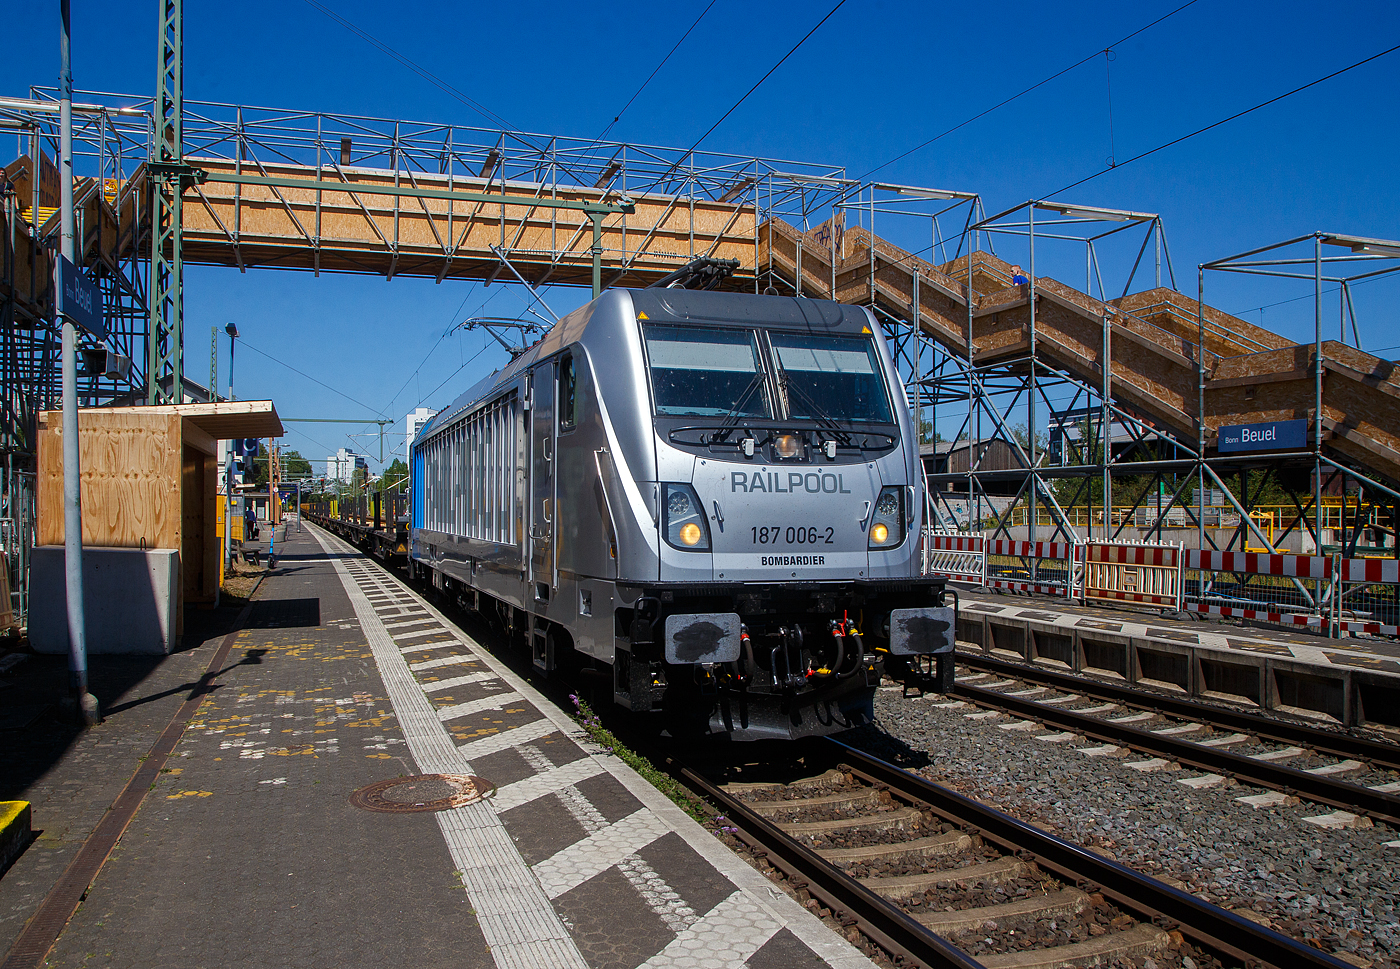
(937, 879)
(1358, 776)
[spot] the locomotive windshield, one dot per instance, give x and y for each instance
(706, 373)
(836, 378)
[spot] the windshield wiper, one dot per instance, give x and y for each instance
(734, 414)
(818, 412)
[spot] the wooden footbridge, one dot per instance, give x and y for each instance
(374, 207)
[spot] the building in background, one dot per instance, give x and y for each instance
(341, 465)
(413, 423)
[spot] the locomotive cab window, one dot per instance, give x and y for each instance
(706, 373)
(835, 378)
(568, 394)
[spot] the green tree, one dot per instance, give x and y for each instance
(395, 477)
(295, 466)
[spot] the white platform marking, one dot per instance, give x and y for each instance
(432, 664)
(574, 865)
(733, 927)
(477, 706)
(451, 683)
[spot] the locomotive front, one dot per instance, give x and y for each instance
(789, 517)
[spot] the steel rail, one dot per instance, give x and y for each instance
(1289, 780)
(880, 920)
(1327, 741)
(1219, 929)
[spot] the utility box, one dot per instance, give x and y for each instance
(148, 482)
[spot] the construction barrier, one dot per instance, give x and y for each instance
(1126, 572)
(959, 557)
(1049, 568)
(1323, 592)
(1367, 593)
(1255, 585)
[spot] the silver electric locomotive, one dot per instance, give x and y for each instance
(709, 499)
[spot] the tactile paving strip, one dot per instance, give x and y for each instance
(617, 875)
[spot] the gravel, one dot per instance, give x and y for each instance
(1334, 888)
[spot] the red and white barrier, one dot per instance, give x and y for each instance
(1069, 554)
(1155, 575)
(1354, 570)
(1121, 572)
(1366, 572)
(959, 557)
(1260, 563)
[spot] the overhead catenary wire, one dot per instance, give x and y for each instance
(433, 79)
(1020, 94)
(1222, 121)
(309, 377)
(1185, 137)
(422, 72)
(484, 348)
(637, 93)
(757, 84)
(456, 314)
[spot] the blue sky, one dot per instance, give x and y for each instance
(877, 79)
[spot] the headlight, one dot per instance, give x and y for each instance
(787, 446)
(887, 520)
(684, 525)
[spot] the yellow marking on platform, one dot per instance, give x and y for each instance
(172, 797)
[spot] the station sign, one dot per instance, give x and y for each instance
(81, 300)
(1264, 436)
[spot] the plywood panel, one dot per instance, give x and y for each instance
(129, 480)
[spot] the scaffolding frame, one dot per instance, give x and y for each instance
(998, 393)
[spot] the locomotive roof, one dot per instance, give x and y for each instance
(667, 306)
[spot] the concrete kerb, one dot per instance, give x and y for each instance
(1247, 678)
(15, 831)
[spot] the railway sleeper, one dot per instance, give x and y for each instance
(900, 819)
(1136, 942)
(865, 798)
(933, 846)
(989, 873)
(832, 778)
(1065, 902)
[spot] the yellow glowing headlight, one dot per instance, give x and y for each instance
(879, 533)
(690, 533)
(788, 446)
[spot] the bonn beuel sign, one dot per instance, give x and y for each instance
(1264, 436)
(82, 300)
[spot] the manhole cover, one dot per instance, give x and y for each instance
(422, 792)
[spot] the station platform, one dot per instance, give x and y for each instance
(1352, 681)
(246, 849)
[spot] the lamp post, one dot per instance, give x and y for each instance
(88, 710)
(232, 332)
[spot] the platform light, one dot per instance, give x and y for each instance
(1362, 246)
(916, 191)
(1094, 212)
